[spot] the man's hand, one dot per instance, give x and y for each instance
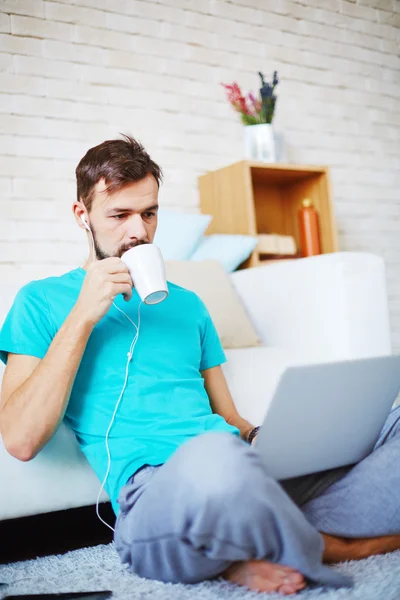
(254, 440)
(104, 280)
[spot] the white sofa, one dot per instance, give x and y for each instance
(325, 308)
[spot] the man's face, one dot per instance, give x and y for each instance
(124, 219)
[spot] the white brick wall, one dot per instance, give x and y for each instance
(75, 72)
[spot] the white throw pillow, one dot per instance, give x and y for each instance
(209, 281)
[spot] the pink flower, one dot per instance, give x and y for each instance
(236, 98)
(256, 104)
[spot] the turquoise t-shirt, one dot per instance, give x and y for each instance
(165, 402)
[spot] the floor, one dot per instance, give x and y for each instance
(99, 568)
(82, 559)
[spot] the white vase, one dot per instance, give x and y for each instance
(259, 143)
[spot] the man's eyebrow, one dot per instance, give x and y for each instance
(111, 211)
(154, 207)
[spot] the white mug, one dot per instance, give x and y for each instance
(147, 269)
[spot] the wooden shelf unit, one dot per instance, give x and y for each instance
(253, 198)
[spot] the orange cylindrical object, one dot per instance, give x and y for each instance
(310, 240)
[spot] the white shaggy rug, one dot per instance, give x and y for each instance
(97, 568)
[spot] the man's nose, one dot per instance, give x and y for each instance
(136, 228)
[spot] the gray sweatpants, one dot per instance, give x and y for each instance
(212, 503)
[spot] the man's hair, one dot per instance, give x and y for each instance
(118, 162)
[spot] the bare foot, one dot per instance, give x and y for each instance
(338, 549)
(264, 576)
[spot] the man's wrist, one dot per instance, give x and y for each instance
(244, 434)
(252, 434)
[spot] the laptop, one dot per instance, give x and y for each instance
(327, 415)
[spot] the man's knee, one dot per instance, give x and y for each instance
(220, 472)
(213, 463)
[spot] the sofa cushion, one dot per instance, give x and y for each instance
(179, 233)
(230, 250)
(58, 478)
(209, 281)
(331, 305)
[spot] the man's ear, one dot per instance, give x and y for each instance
(80, 214)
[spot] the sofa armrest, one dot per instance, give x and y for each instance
(332, 306)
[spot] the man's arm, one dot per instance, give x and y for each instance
(222, 402)
(35, 392)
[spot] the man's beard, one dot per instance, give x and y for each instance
(101, 255)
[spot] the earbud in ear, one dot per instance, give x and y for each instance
(85, 223)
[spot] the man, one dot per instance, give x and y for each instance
(192, 498)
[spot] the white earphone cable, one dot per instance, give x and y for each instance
(130, 354)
